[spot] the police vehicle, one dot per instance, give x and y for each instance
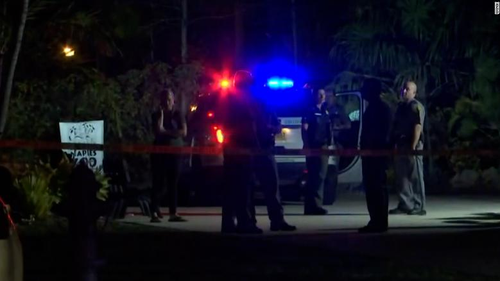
(292, 168)
(205, 130)
(285, 95)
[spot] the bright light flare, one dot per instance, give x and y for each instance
(193, 108)
(279, 83)
(220, 136)
(225, 83)
(68, 51)
(221, 80)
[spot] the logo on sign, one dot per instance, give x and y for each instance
(82, 133)
(91, 132)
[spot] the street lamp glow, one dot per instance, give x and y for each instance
(68, 51)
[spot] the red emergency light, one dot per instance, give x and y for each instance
(210, 114)
(221, 80)
(225, 83)
(219, 134)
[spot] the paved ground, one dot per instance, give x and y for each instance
(460, 233)
(349, 213)
(458, 240)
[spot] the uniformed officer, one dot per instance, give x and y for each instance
(316, 134)
(239, 125)
(375, 135)
(266, 170)
(339, 121)
(408, 135)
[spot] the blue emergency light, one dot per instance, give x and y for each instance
(279, 83)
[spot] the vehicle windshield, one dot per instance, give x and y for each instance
(285, 103)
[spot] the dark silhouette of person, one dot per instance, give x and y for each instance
(266, 170)
(84, 210)
(375, 135)
(239, 124)
(11, 252)
(6, 196)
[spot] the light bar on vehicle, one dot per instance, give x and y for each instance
(279, 83)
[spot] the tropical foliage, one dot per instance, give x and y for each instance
(455, 64)
(125, 103)
(449, 48)
(41, 187)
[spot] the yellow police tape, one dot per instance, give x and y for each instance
(147, 148)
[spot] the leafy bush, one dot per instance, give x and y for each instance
(125, 103)
(42, 187)
(37, 198)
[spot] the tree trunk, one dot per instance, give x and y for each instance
(125, 167)
(184, 32)
(10, 78)
(1, 71)
(238, 33)
(152, 53)
(151, 38)
(294, 33)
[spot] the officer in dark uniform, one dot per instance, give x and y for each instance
(316, 134)
(239, 125)
(339, 122)
(375, 135)
(268, 125)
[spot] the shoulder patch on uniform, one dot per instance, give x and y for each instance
(416, 106)
(420, 107)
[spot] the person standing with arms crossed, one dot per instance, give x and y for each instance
(169, 128)
(375, 135)
(316, 134)
(408, 135)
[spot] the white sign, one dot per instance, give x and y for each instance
(497, 8)
(90, 132)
